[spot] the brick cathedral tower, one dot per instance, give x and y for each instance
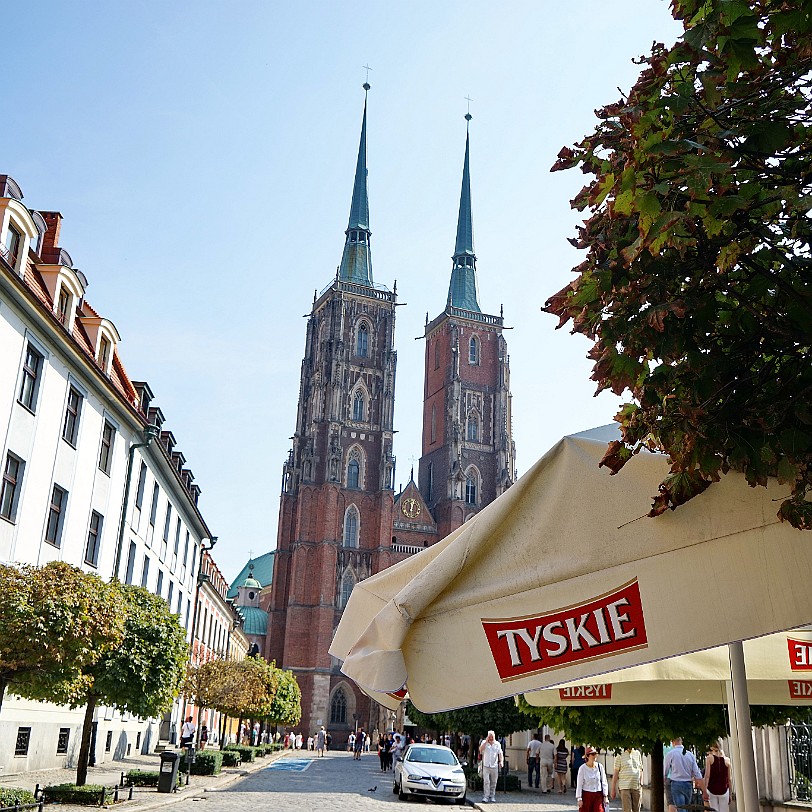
(336, 513)
(468, 450)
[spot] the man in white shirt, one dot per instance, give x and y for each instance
(533, 750)
(547, 756)
(490, 751)
(187, 732)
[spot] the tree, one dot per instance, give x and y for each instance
(502, 716)
(696, 288)
(143, 674)
(646, 727)
(54, 621)
(286, 708)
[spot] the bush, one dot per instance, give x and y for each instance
(207, 762)
(11, 796)
(246, 752)
(231, 758)
(513, 782)
(88, 795)
(144, 778)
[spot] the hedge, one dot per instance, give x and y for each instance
(207, 762)
(513, 782)
(88, 795)
(247, 752)
(11, 796)
(145, 778)
(231, 758)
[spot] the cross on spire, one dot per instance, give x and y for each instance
(366, 83)
(468, 115)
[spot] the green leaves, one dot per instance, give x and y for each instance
(695, 286)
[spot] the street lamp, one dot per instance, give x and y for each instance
(149, 433)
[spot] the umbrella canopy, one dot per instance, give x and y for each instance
(777, 666)
(556, 580)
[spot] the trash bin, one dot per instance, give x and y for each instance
(168, 777)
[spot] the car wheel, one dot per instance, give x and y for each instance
(402, 796)
(395, 787)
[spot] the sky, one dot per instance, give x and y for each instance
(202, 154)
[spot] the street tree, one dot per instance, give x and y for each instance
(696, 287)
(143, 674)
(55, 621)
(647, 727)
(286, 707)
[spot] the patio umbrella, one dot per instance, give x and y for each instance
(558, 580)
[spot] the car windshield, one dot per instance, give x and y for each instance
(428, 755)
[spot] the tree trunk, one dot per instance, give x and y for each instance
(84, 749)
(3, 684)
(223, 722)
(656, 788)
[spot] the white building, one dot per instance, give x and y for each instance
(74, 438)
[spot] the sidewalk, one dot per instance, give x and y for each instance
(144, 798)
(530, 800)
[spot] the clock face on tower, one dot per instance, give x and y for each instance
(410, 508)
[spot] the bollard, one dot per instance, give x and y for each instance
(131, 793)
(115, 794)
(101, 800)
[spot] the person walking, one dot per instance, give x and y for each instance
(321, 741)
(561, 758)
(576, 760)
(680, 765)
(591, 787)
(490, 752)
(628, 777)
(717, 778)
(187, 732)
(360, 736)
(547, 756)
(533, 750)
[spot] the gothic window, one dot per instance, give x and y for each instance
(351, 527)
(473, 350)
(353, 474)
(362, 341)
(473, 429)
(437, 354)
(358, 407)
(338, 708)
(433, 423)
(347, 583)
(470, 490)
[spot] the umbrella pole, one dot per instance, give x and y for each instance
(740, 713)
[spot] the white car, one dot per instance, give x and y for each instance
(430, 771)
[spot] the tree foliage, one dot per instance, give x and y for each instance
(286, 708)
(55, 621)
(697, 283)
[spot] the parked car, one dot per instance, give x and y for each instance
(430, 771)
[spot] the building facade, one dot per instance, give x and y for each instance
(340, 520)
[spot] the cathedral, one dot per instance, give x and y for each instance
(340, 520)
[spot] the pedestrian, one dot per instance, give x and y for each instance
(321, 741)
(591, 787)
(187, 732)
(680, 765)
(576, 760)
(493, 759)
(299, 741)
(547, 766)
(533, 750)
(204, 736)
(628, 778)
(351, 742)
(382, 751)
(717, 778)
(561, 757)
(360, 736)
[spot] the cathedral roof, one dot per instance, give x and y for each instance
(259, 570)
(256, 620)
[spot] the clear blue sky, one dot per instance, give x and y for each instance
(202, 154)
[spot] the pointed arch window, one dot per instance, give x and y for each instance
(362, 341)
(358, 407)
(473, 350)
(472, 432)
(351, 527)
(471, 489)
(353, 474)
(433, 423)
(338, 708)
(437, 354)
(347, 583)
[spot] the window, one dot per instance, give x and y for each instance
(353, 474)
(194, 559)
(56, 516)
(170, 594)
(108, 742)
(104, 352)
(73, 411)
(62, 741)
(358, 407)
(180, 602)
(188, 610)
(167, 521)
(338, 708)
(177, 538)
(362, 341)
(13, 244)
(29, 386)
(185, 553)
(62, 305)
(106, 451)
(159, 587)
(473, 429)
(470, 490)
(473, 350)
(23, 740)
(94, 532)
(433, 423)
(153, 511)
(145, 572)
(12, 480)
(142, 479)
(128, 578)
(437, 354)
(347, 583)
(351, 527)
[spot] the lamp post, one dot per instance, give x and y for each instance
(150, 432)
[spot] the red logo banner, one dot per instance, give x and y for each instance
(583, 693)
(800, 654)
(606, 625)
(800, 689)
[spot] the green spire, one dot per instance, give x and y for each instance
(462, 290)
(356, 262)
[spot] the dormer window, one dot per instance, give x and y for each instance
(63, 305)
(12, 246)
(18, 230)
(104, 352)
(103, 338)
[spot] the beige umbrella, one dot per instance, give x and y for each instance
(778, 673)
(557, 581)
